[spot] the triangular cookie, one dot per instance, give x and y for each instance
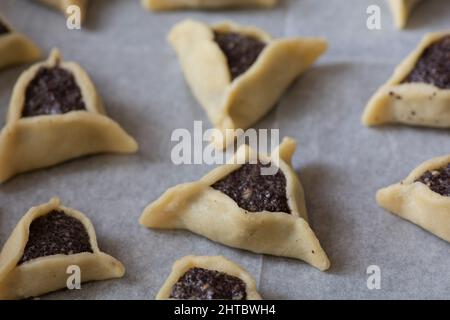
(15, 48)
(208, 278)
(401, 10)
(239, 73)
(205, 4)
(419, 91)
(423, 197)
(62, 5)
(238, 206)
(55, 115)
(45, 242)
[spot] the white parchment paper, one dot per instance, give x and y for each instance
(341, 163)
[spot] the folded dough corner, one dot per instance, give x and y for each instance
(55, 114)
(45, 243)
(238, 206)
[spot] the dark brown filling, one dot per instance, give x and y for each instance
(3, 28)
(204, 284)
(52, 91)
(55, 233)
(433, 66)
(437, 180)
(255, 192)
(241, 51)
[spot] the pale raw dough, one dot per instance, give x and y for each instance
(218, 263)
(41, 141)
(16, 48)
(62, 5)
(418, 104)
(205, 4)
(240, 103)
(199, 208)
(416, 202)
(401, 10)
(46, 274)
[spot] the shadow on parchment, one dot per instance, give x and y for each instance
(331, 228)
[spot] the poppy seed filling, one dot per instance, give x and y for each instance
(204, 284)
(433, 67)
(255, 192)
(3, 28)
(52, 91)
(241, 51)
(55, 233)
(437, 180)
